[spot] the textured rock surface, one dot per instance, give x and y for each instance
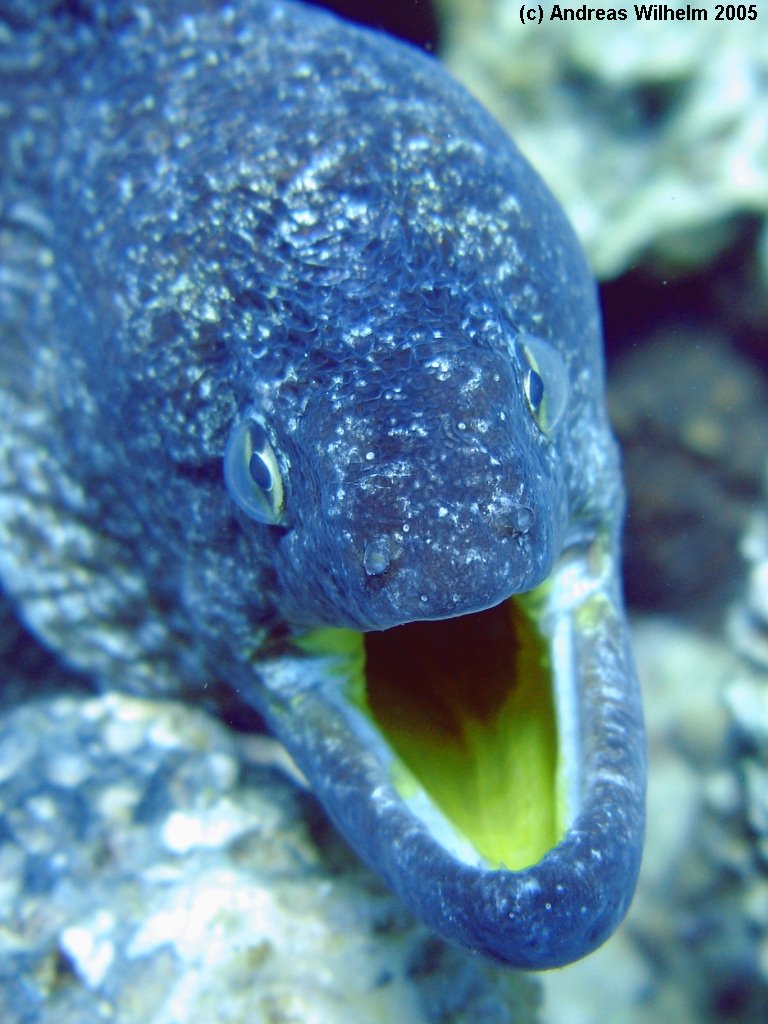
(748, 623)
(652, 135)
(156, 868)
(747, 702)
(692, 418)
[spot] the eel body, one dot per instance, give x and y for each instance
(301, 389)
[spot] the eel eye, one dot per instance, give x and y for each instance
(252, 474)
(534, 391)
(545, 381)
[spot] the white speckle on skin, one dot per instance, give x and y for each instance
(442, 365)
(305, 216)
(419, 143)
(530, 885)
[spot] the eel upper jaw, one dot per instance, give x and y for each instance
(568, 899)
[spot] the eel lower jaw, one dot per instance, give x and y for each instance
(475, 763)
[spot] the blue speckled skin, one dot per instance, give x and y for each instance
(213, 211)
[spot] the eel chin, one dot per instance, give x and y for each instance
(490, 767)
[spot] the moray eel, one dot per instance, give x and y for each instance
(302, 405)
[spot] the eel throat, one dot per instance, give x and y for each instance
(466, 705)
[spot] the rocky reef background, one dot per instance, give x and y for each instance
(155, 866)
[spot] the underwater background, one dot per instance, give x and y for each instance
(136, 851)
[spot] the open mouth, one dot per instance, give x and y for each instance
(490, 767)
(466, 710)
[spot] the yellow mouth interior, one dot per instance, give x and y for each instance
(467, 706)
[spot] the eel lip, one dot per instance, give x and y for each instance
(536, 906)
